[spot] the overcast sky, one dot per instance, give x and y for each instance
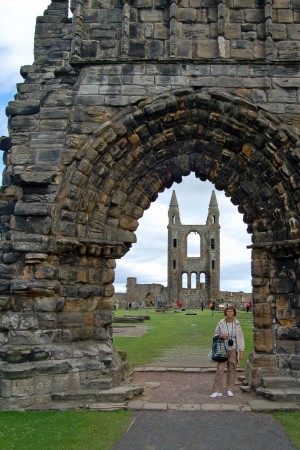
(147, 260)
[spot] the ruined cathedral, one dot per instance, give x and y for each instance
(194, 277)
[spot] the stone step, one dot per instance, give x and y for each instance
(280, 395)
(117, 394)
(280, 382)
(101, 383)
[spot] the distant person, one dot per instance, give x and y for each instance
(212, 308)
(230, 330)
(129, 305)
(248, 307)
(179, 304)
(202, 305)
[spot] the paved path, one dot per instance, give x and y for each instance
(175, 430)
(175, 411)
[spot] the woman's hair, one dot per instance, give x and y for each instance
(230, 307)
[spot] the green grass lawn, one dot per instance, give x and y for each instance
(291, 423)
(174, 329)
(98, 430)
(68, 430)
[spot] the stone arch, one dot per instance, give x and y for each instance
(112, 180)
(243, 150)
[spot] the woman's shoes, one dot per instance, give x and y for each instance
(216, 394)
(219, 394)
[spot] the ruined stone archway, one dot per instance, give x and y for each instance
(233, 144)
(115, 177)
(76, 188)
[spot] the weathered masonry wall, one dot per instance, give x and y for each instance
(123, 99)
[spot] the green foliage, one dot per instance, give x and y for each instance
(170, 329)
(290, 422)
(68, 430)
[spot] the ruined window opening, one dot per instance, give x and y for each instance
(213, 264)
(193, 245)
(184, 280)
(174, 264)
(193, 280)
(174, 243)
(173, 219)
(212, 244)
(202, 280)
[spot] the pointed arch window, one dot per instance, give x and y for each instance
(202, 280)
(184, 280)
(193, 280)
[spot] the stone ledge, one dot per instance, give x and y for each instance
(28, 370)
(271, 406)
(117, 394)
(251, 406)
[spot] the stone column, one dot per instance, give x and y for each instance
(263, 358)
(270, 45)
(221, 29)
(125, 30)
(173, 29)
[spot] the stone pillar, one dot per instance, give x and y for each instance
(270, 45)
(276, 314)
(56, 328)
(173, 29)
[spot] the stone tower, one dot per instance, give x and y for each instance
(195, 277)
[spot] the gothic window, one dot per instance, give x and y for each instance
(202, 280)
(193, 245)
(184, 280)
(173, 219)
(212, 264)
(174, 264)
(213, 219)
(212, 244)
(193, 280)
(174, 243)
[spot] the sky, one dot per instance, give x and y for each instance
(147, 260)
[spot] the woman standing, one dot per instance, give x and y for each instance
(230, 330)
